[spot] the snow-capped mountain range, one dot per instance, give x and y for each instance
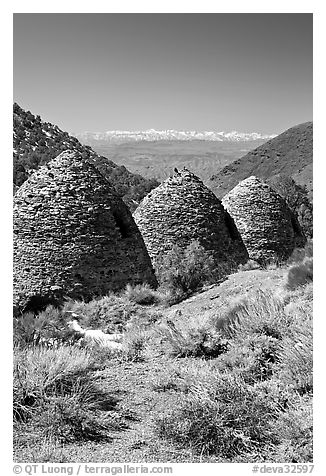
(171, 134)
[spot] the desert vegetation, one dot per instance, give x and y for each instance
(181, 271)
(229, 380)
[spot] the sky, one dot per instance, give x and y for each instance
(223, 72)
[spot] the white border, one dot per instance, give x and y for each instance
(167, 6)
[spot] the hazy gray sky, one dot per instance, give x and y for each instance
(97, 72)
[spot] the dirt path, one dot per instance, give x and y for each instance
(133, 387)
(216, 297)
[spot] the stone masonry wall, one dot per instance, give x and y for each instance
(73, 236)
(263, 219)
(183, 209)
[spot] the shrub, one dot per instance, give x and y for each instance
(141, 294)
(69, 420)
(299, 303)
(109, 313)
(112, 313)
(218, 412)
(138, 333)
(184, 270)
(252, 357)
(135, 344)
(39, 371)
(56, 393)
(300, 274)
(49, 329)
(294, 432)
(261, 312)
(225, 417)
(296, 358)
(196, 337)
(24, 329)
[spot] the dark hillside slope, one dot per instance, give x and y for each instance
(290, 153)
(37, 142)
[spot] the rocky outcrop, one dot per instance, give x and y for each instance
(183, 209)
(73, 236)
(265, 222)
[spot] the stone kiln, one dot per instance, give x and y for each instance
(266, 224)
(73, 237)
(183, 209)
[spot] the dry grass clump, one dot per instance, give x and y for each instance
(299, 303)
(261, 312)
(138, 334)
(224, 416)
(195, 337)
(255, 325)
(56, 394)
(141, 294)
(39, 371)
(271, 335)
(296, 358)
(294, 432)
(49, 329)
(252, 357)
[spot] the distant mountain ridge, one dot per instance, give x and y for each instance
(290, 153)
(150, 135)
(36, 142)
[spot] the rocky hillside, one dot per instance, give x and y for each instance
(290, 153)
(37, 142)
